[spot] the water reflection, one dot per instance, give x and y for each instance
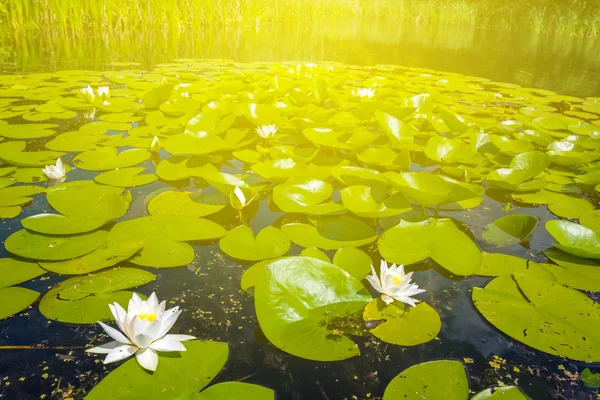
(569, 65)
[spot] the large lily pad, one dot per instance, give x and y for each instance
(55, 224)
(163, 237)
(575, 239)
(235, 391)
(297, 300)
(190, 204)
(36, 246)
(542, 314)
(179, 377)
(374, 202)
(107, 158)
(126, 177)
(13, 271)
(439, 239)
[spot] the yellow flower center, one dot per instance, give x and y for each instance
(151, 317)
(397, 280)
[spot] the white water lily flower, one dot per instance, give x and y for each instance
(143, 332)
(155, 145)
(364, 92)
(88, 94)
(56, 172)
(104, 92)
(266, 131)
(394, 284)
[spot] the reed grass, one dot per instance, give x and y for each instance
(575, 17)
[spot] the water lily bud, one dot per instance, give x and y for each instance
(155, 146)
(104, 92)
(88, 94)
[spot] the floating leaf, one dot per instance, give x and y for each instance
(15, 299)
(126, 177)
(85, 299)
(408, 243)
(505, 265)
(369, 202)
(36, 246)
(163, 237)
(177, 377)
(106, 158)
(331, 233)
(575, 239)
(234, 391)
(589, 379)
(190, 204)
(510, 229)
(55, 224)
(541, 314)
(240, 243)
(306, 195)
(101, 202)
(297, 299)
(403, 325)
(13, 271)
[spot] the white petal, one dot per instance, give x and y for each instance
(147, 358)
(168, 322)
(387, 299)
(59, 165)
(152, 301)
(165, 344)
(181, 338)
(120, 353)
(104, 348)
(115, 334)
(149, 335)
(119, 314)
(375, 283)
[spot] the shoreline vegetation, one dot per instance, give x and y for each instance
(571, 17)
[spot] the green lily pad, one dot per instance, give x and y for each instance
(279, 170)
(316, 253)
(55, 224)
(36, 246)
(163, 237)
(443, 379)
(331, 233)
(235, 391)
(101, 202)
(27, 131)
(510, 229)
(241, 244)
(541, 314)
(589, 379)
(307, 196)
(13, 271)
(401, 325)
(591, 220)
(432, 190)
(375, 202)
(190, 204)
(177, 377)
(505, 265)
(85, 299)
(32, 158)
(103, 257)
(450, 151)
(354, 261)
(563, 205)
(107, 158)
(502, 392)
(297, 300)
(158, 95)
(15, 299)
(126, 177)
(440, 240)
(572, 271)
(575, 239)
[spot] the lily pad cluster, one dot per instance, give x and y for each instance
(355, 162)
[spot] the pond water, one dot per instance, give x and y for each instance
(405, 142)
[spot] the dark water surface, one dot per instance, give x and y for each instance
(208, 291)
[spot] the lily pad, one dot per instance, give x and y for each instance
(13, 271)
(306, 195)
(55, 224)
(401, 325)
(369, 202)
(126, 177)
(505, 265)
(85, 299)
(331, 233)
(179, 377)
(15, 299)
(235, 391)
(542, 314)
(572, 271)
(164, 237)
(190, 204)
(575, 239)
(107, 158)
(36, 246)
(510, 229)
(297, 300)
(241, 244)
(411, 242)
